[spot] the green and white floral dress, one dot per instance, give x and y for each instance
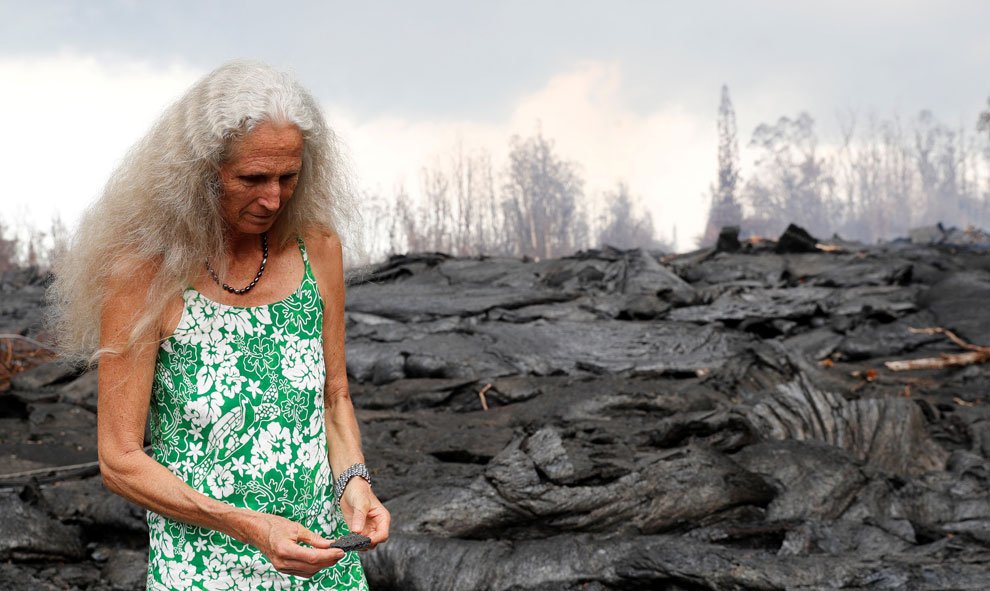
(237, 413)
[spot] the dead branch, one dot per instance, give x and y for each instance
(481, 395)
(951, 335)
(941, 362)
(974, 354)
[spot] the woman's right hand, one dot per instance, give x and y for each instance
(278, 538)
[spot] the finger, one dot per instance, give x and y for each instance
(291, 551)
(358, 520)
(301, 569)
(312, 538)
(382, 520)
(295, 567)
(316, 563)
(378, 532)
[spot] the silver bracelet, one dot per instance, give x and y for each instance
(341, 482)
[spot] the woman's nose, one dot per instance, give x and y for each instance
(271, 196)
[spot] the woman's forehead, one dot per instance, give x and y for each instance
(268, 139)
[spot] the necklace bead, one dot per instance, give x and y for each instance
(257, 277)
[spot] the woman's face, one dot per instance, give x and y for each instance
(260, 176)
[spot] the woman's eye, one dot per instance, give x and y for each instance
(287, 177)
(252, 178)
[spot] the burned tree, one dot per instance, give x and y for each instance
(792, 183)
(622, 226)
(541, 199)
(724, 209)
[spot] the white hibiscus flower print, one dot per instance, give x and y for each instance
(187, 553)
(238, 465)
(177, 575)
(249, 571)
(221, 481)
(238, 321)
(197, 412)
(201, 325)
(273, 447)
(302, 363)
(206, 316)
(309, 453)
(259, 355)
(274, 581)
(326, 515)
(216, 352)
(221, 583)
(229, 380)
(218, 565)
(254, 387)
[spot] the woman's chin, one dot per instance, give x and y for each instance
(255, 224)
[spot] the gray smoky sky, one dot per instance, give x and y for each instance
(469, 59)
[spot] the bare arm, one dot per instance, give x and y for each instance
(123, 399)
(362, 510)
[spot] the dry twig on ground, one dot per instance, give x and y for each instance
(974, 354)
(481, 395)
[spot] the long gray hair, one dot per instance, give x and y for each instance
(162, 204)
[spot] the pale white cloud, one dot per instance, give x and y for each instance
(666, 155)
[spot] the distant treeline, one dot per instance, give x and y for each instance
(882, 178)
(536, 207)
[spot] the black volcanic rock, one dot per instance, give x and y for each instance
(29, 533)
(728, 239)
(813, 480)
(955, 302)
(796, 239)
(887, 433)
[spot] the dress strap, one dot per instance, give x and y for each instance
(302, 248)
(308, 275)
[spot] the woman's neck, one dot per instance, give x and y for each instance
(244, 247)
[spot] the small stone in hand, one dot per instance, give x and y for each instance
(352, 542)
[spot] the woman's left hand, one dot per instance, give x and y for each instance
(364, 513)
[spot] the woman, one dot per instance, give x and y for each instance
(208, 282)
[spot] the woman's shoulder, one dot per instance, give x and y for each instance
(322, 244)
(129, 277)
(320, 235)
(325, 254)
(132, 290)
